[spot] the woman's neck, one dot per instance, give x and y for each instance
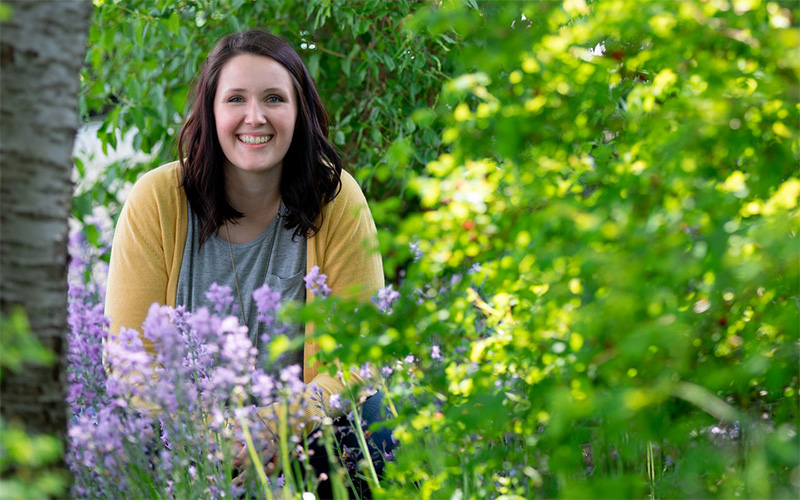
(258, 197)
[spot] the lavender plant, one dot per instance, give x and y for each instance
(165, 426)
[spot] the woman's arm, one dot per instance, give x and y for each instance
(143, 252)
(349, 254)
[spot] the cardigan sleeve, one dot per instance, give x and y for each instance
(350, 256)
(138, 271)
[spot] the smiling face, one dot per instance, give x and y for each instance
(255, 109)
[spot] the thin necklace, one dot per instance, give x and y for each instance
(236, 279)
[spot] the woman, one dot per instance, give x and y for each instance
(258, 195)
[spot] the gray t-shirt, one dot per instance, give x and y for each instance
(273, 257)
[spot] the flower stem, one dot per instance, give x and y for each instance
(283, 443)
(362, 441)
(388, 397)
(251, 450)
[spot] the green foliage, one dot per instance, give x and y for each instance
(23, 462)
(606, 198)
(634, 218)
(23, 458)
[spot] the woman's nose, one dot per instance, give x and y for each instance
(255, 115)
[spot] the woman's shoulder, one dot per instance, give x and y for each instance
(166, 176)
(350, 192)
(350, 204)
(162, 182)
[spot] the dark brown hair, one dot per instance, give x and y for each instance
(312, 170)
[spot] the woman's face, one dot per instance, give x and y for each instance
(255, 109)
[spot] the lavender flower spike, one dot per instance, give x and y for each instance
(385, 298)
(290, 376)
(416, 251)
(221, 296)
(267, 303)
(316, 283)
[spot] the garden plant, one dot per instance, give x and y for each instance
(588, 213)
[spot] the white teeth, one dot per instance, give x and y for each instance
(252, 139)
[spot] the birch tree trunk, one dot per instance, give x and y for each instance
(42, 47)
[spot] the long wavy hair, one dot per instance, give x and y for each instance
(312, 169)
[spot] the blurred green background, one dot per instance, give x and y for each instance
(604, 198)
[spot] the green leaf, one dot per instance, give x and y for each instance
(174, 22)
(346, 66)
(339, 138)
(82, 205)
(312, 65)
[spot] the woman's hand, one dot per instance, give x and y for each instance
(270, 458)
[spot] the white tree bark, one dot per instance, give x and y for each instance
(42, 47)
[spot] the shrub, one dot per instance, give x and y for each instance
(594, 275)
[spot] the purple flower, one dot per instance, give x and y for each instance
(245, 413)
(76, 247)
(166, 459)
(316, 396)
(290, 376)
(204, 325)
(386, 371)
(159, 328)
(97, 444)
(237, 350)
(87, 332)
(203, 358)
(436, 353)
(128, 361)
(267, 303)
(292, 371)
(262, 386)
(416, 251)
(86, 267)
(220, 383)
(336, 402)
(385, 298)
(222, 298)
(316, 283)
(236, 491)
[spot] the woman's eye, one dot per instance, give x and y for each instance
(274, 98)
(235, 99)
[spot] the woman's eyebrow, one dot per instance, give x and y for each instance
(268, 89)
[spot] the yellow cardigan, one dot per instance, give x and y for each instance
(149, 240)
